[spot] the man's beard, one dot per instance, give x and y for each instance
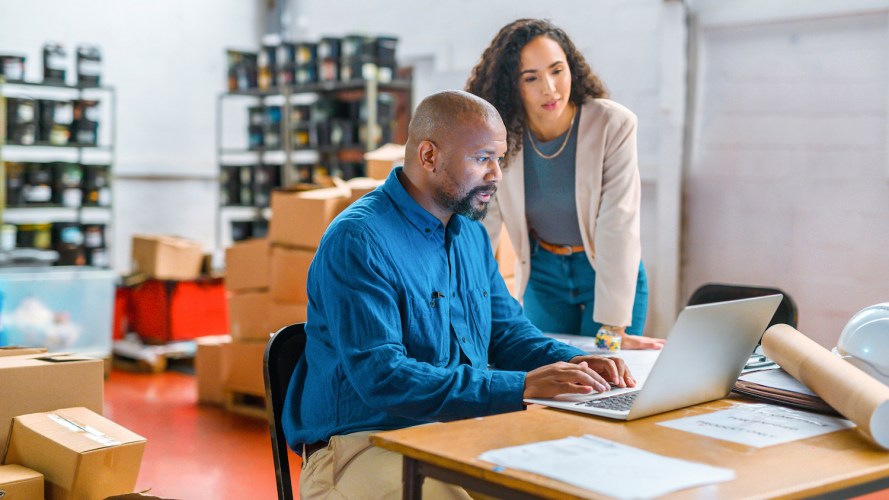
(464, 206)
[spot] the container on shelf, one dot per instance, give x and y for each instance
(242, 70)
(15, 179)
(68, 184)
(12, 67)
(38, 186)
(54, 121)
(21, 120)
(89, 65)
(68, 241)
(267, 77)
(37, 236)
(96, 185)
(55, 63)
(62, 309)
(85, 122)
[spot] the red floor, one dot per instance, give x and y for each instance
(193, 451)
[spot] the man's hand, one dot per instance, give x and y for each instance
(639, 342)
(613, 369)
(582, 375)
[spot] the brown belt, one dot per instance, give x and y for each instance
(557, 249)
(310, 448)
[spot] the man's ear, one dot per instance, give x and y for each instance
(428, 153)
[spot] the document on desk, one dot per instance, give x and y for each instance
(759, 425)
(602, 466)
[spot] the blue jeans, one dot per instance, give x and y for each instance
(562, 291)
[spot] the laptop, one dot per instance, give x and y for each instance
(705, 352)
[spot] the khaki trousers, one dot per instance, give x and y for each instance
(351, 468)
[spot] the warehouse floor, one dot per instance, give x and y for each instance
(193, 451)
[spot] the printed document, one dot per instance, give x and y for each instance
(759, 425)
(602, 466)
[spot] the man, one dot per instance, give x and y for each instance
(407, 310)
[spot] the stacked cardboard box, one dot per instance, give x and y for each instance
(80, 453)
(379, 162)
(266, 282)
(166, 257)
(54, 443)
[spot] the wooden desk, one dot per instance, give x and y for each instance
(836, 465)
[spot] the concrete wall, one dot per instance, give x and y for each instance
(788, 179)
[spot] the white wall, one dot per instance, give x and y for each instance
(166, 59)
(788, 183)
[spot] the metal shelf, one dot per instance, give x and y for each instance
(324, 87)
(87, 154)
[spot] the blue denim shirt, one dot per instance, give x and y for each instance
(404, 317)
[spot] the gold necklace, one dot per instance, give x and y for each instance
(561, 148)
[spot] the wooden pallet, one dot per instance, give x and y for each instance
(242, 403)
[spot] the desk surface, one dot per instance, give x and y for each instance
(808, 467)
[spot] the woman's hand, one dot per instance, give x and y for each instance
(639, 342)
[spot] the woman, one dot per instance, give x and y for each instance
(570, 193)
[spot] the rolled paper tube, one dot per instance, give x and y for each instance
(856, 395)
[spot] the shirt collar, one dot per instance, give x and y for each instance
(418, 216)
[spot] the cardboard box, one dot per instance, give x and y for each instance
(282, 314)
(210, 369)
(299, 219)
(379, 162)
(167, 257)
(20, 351)
(244, 362)
(248, 314)
(289, 270)
(80, 453)
(20, 483)
(360, 186)
(41, 382)
(247, 265)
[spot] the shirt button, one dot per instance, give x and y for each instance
(485, 293)
(464, 338)
(453, 294)
(427, 230)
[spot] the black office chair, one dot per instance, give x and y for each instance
(719, 292)
(281, 355)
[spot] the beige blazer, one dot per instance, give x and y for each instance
(607, 195)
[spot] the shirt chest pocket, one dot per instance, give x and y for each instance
(427, 338)
(480, 313)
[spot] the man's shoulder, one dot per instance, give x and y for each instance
(367, 214)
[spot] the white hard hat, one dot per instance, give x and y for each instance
(865, 341)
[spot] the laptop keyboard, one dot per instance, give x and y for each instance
(621, 402)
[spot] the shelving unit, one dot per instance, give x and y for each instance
(100, 155)
(288, 157)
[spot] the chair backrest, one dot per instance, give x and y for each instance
(281, 355)
(719, 292)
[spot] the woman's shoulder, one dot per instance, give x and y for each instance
(608, 109)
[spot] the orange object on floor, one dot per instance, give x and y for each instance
(193, 451)
(162, 311)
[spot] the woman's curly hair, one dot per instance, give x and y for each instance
(496, 76)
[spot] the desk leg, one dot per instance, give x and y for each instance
(413, 480)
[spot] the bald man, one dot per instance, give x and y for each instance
(407, 311)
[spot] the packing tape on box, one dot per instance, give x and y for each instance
(855, 394)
